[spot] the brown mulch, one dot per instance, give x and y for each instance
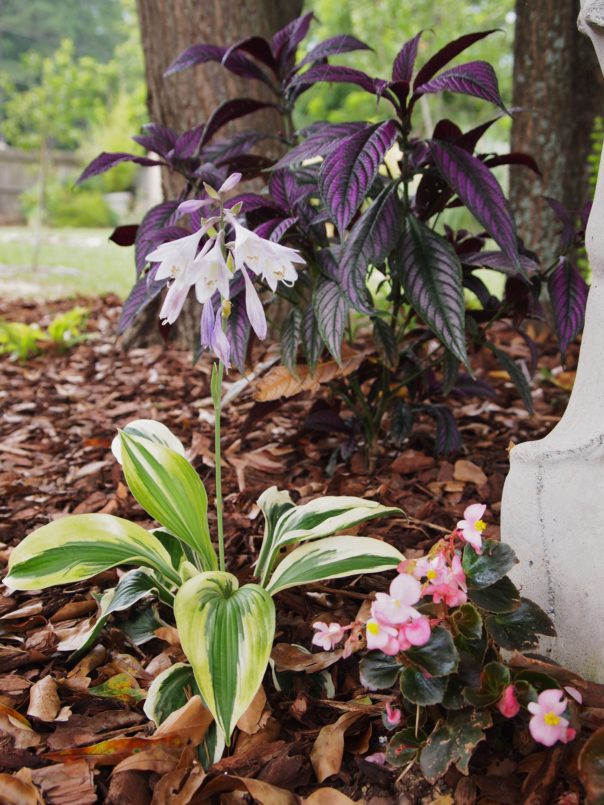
(58, 415)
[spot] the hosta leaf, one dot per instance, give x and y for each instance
(519, 630)
(481, 193)
(453, 740)
(378, 671)
(169, 489)
(484, 569)
(332, 558)
(431, 276)
(568, 293)
(291, 333)
(422, 689)
(318, 519)
(227, 633)
(475, 78)
(331, 308)
(272, 503)
(349, 170)
(371, 240)
(149, 429)
(516, 374)
(80, 546)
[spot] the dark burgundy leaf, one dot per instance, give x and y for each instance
(430, 273)
(333, 47)
(481, 193)
(238, 331)
(105, 162)
(447, 54)
(155, 219)
(311, 338)
(514, 158)
(320, 142)
(156, 138)
(201, 54)
(124, 235)
(348, 171)
(469, 140)
(371, 240)
(401, 90)
(248, 165)
(448, 437)
(145, 291)
(446, 130)
(286, 40)
(402, 68)
(568, 227)
(499, 261)
(476, 78)
(233, 146)
(568, 293)
(516, 374)
(584, 213)
(187, 144)
(231, 110)
(257, 47)
(254, 201)
(477, 286)
(340, 75)
(210, 174)
(331, 311)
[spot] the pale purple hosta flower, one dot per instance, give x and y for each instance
(272, 261)
(176, 263)
(211, 272)
(212, 334)
(230, 182)
(253, 306)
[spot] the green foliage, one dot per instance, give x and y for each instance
(22, 341)
(66, 205)
(66, 329)
(19, 340)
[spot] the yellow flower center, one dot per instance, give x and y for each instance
(480, 525)
(373, 628)
(227, 306)
(551, 719)
(431, 575)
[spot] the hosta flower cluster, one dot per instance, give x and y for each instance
(211, 268)
(438, 632)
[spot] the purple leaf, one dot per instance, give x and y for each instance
(447, 54)
(331, 311)
(105, 162)
(481, 193)
(201, 54)
(231, 110)
(124, 235)
(333, 47)
(291, 333)
(286, 41)
(568, 227)
(144, 292)
(448, 437)
(188, 143)
(254, 201)
(430, 273)
(476, 78)
(320, 142)
(155, 219)
(568, 292)
(280, 230)
(370, 241)
(350, 169)
(311, 338)
(233, 146)
(156, 138)
(515, 158)
(402, 68)
(499, 261)
(469, 140)
(257, 47)
(338, 74)
(284, 188)
(267, 228)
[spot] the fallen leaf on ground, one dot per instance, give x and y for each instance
(280, 383)
(16, 791)
(255, 716)
(467, 471)
(18, 727)
(263, 792)
(328, 750)
(44, 702)
(327, 796)
(291, 658)
(66, 784)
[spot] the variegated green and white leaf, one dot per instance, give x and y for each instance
(169, 489)
(273, 503)
(148, 429)
(227, 635)
(132, 586)
(80, 546)
(332, 558)
(317, 519)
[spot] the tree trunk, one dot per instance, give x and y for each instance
(186, 99)
(559, 86)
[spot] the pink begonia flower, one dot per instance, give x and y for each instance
(379, 758)
(395, 607)
(547, 724)
(508, 705)
(444, 582)
(392, 716)
(382, 637)
(472, 526)
(272, 261)
(414, 633)
(327, 636)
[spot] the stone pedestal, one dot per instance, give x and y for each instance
(552, 510)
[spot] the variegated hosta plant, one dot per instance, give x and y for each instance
(226, 630)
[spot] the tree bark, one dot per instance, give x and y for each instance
(186, 99)
(558, 84)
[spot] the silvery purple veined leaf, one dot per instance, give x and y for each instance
(371, 240)
(331, 311)
(319, 143)
(155, 219)
(481, 193)
(447, 54)
(499, 261)
(568, 228)
(106, 161)
(475, 78)
(257, 47)
(311, 338)
(159, 139)
(430, 273)
(334, 46)
(404, 62)
(238, 331)
(144, 291)
(349, 170)
(202, 54)
(568, 293)
(286, 41)
(231, 110)
(337, 74)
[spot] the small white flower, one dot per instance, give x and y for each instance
(211, 273)
(272, 261)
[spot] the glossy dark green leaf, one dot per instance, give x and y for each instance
(423, 690)
(503, 596)
(453, 741)
(468, 622)
(404, 746)
(520, 629)
(438, 657)
(378, 671)
(492, 564)
(494, 679)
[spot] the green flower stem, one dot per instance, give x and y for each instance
(216, 388)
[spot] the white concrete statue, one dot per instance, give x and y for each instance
(553, 502)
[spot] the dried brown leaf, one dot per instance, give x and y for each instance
(280, 383)
(328, 749)
(44, 702)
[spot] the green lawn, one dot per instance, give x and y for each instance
(71, 262)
